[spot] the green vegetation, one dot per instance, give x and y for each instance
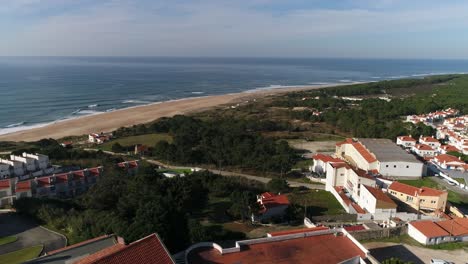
(7, 240)
(396, 261)
(278, 185)
(406, 239)
(316, 202)
(303, 164)
(131, 141)
(20, 256)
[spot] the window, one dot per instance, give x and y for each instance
(386, 166)
(409, 198)
(433, 202)
(407, 166)
(394, 166)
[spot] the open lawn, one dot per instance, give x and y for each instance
(22, 255)
(318, 202)
(148, 140)
(7, 240)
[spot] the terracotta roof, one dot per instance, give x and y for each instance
(365, 153)
(449, 148)
(430, 139)
(446, 158)
(429, 228)
(43, 182)
(455, 227)
(313, 249)
(298, 231)
(338, 165)
(147, 250)
(326, 158)
(4, 184)
(347, 141)
(383, 201)
(358, 208)
(270, 200)
(354, 228)
(343, 196)
(95, 171)
(406, 138)
(412, 191)
(423, 147)
(78, 244)
(61, 178)
(23, 186)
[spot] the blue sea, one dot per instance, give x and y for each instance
(35, 91)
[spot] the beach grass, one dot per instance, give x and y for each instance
(147, 139)
(21, 255)
(7, 240)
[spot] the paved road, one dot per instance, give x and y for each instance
(417, 255)
(250, 177)
(28, 233)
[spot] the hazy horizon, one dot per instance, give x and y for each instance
(380, 29)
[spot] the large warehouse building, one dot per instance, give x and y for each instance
(380, 156)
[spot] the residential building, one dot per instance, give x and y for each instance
(406, 141)
(141, 149)
(430, 141)
(6, 192)
(423, 199)
(380, 156)
(130, 166)
(41, 161)
(99, 138)
(376, 201)
(23, 189)
(16, 168)
(444, 149)
(29, 163)
(450, 162)
(271, 205)
(424, 151)
(110, 249)
(316, 246)
(25, 165)
(433, 233)
(321, 161)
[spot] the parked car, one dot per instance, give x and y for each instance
(440, 261)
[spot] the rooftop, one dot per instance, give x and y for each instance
(321, 248)
(383, 201)
(413, 191)
(455, 227)
(407, 138)
(326, 158)
(385, 150)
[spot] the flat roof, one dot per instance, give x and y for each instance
(326, 248)
(385, 150)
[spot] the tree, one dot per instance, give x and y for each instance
(278, 185)
(116, 147)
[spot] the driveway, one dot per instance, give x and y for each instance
(28, 233)
(418, 255)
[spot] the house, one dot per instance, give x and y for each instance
(311, 247)
(423, 199)
(321, 161)
(130, 166)
(375, 201)
(5, 171)
(99, 138)
(44, 186)
(141, 149)
(271, 205)
(433, 233)
(406, 141)
(450, 162)
(41, 161)
(16, 168)
(6, 192)
(110, 249)
(67, 144)
(23, 189)
(29, 163)
(444, 149)
(379, 156)
(424, 151)
(430, 141)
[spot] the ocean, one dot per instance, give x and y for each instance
(35, 91)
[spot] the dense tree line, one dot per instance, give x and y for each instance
(221, 143)
(135, 206)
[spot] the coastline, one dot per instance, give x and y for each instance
(109, 121)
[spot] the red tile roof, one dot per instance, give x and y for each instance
(95, 171)
(412, 191)
(429, 228)
(430, 139)
(326, 158)
(358, 208)
(365, 153)
(446, 158)
(61, 178)
(407, 138)
(270, 200)
(455, 227)
(313, 249)
(338, 165)
(43, 182)
(383, 201)
(23, 186)
(5, 184)
(354, 228)
(347, 141)
(147, 250)
(423, 147)
(449, 148)
(298, 231)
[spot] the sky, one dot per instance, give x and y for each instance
(430, 29)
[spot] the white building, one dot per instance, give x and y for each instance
(343, 175)
(375, 201)
(424, 151)
(430, 141)
(321, 161)
(450, 162)
(433, 233)
(406, 141)
(16, 167)
(29, 163)
(41, 161)
(444, 149)
(380, 156)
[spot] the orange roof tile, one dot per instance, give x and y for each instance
(430, 139)
(383, 201)
(326, 158)
(78, 244)
(5, 184)
(298, 231)
(446, 158)
(423, 147)
(366, 154)
(412, 191)
(23, 186)
(455, 227)
(429, 228)
(407, 138)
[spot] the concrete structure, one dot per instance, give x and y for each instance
(380, 156)
(375, 201)
(406, 141)
(424, 151)
(351, 179)
(422, 199)
(433, 233)
(316, 246)
(27, 164)
(430, 141)
(271, 205)
(321, 161)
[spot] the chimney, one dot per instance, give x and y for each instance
(120, 240)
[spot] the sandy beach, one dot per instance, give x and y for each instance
(106, 122)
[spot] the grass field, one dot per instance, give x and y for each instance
(319, 202)
(7, 240)
(148, 140)
(21, 255)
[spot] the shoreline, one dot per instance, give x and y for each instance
(134, 115)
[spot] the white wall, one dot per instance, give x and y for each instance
(367, 200)
(401, 169)
(416, 235)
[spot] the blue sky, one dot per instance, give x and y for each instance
(239, 28)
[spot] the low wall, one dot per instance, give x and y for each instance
(379, 233)
(340, 200)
